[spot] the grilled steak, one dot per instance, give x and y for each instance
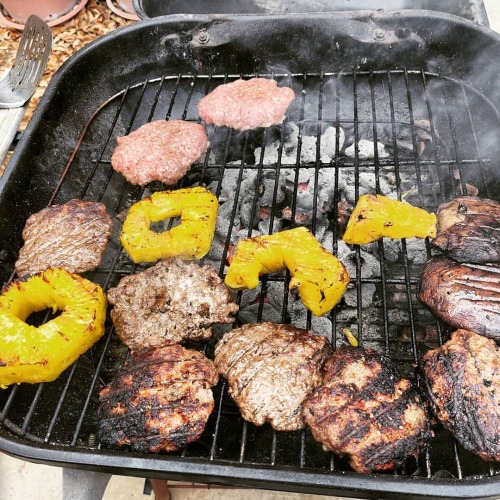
(365, 410)
(160, 400)
(271, 369)
(469, 229)
(72, 236)
(246, 104)
(172, 301)
(463, 295)
(463, 380)
(159, 151)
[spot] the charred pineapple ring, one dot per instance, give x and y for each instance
(31, 354)
(191, 239)
(318, 276)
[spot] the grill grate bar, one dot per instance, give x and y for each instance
(457, 172)
(481, 161)
(359, 298)
(380, 243)
(60, 403)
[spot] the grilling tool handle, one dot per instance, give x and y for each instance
(9, 123)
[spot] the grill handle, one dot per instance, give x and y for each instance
(222, 31)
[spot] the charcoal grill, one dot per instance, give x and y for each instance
(375, 77)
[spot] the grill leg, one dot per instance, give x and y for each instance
(160, 488)
(83, 485)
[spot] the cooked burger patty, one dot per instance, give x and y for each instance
(159, 151)
(463, 295)
(72, 236)
(246, 104)
(160, 400)
(172, 301)
(469, 229)
(365, 410)
(271, 369)
(463, 380)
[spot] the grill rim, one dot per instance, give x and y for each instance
(84, 461)
(245, 475)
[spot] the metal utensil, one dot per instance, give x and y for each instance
(31, 59)
(23, 78)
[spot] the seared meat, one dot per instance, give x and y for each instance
(72, 236)
(365, 410)
(246, 104)
(159, 400)
(159, 151)
(271, 369)
(169, 302)
(469, 229)
(463, 380)
(463, 295)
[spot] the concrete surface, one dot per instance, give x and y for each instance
(23, 480)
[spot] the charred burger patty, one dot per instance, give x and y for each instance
(159, 400)
(365, 410)
(463, 380)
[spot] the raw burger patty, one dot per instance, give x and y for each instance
(160, 400)
(159, 151)
(271, 369)
(463, 380)
(246, 104)
(72, 236)
(172, 301)
(365, 410)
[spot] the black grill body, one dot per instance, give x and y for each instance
(375, 77)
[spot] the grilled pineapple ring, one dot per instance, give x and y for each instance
(31, 354)
(191, 239)
(318, 276)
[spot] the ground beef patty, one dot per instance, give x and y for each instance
(170, 302)
(72, 236)
(271, 369)
(159, 151)
(246, 104)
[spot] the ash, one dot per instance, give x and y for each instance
(293, 179)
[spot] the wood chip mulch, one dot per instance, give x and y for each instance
(95, 20)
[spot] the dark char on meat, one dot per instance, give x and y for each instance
(160, 400)
(365, 410)
(463, 381)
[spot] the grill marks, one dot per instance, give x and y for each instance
(366, 411)
(160, 400)
(463, 295)
(271, 368)
(72, 236)
(463, 382)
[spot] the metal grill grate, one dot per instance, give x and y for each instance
(438, 141)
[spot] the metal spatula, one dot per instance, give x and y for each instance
(23, 78)
(31, 59)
